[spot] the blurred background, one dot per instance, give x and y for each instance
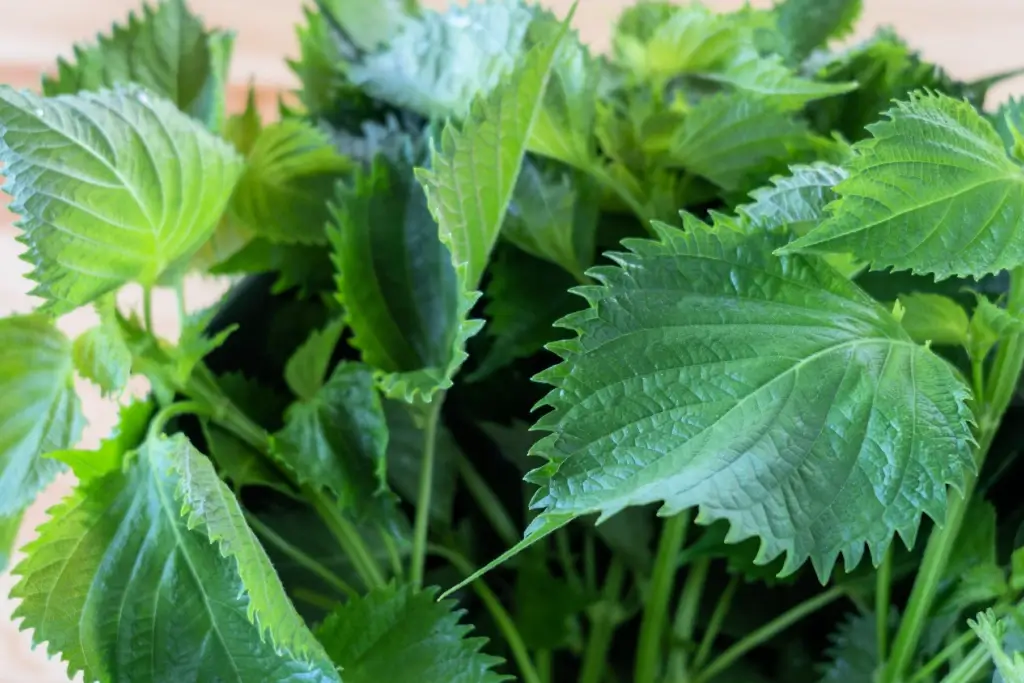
(970, 39)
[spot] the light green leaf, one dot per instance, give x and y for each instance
(9, 527)
(991, 632)
(371, 24)
(307, 368)
(39, 410)
(167, 50)
(704, 360)
(439, 63)
(728, 137)
(101, 354)
(853, 653)
(990, 324)
(809, 24)
(797, 201)
(117, 563)
(132, 424)
(932, 192)
(524, 299)
(396, 281)
(112, 187)
(289, 178)
(769, 79)
(396, 634)
(406, 443)
(337, 440)
(934, 318)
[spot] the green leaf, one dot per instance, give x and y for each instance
(1017, 570)
(101, 354)
(241, 463)
(302, 266)
(990, 324)
(9, 527)
(438, 64)
(705, 360)
(991, 632)
(307, 368)
(395, 279)
(853, 653)
(1009, 123)
(809, 24)
(118, 563)
(524, 299)
(371, 24)
(39, 411)
(112, 187)
(769, 79)
(729, 137)
(932, 192)
(546, 607)
(132, 424)
(933, 318)
(406, 444)
(337, 440)
(396, 634)
(290, 175)
(797, 201)
(167, 50)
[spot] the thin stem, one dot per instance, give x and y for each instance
(147, 309)
(652, 625)
(348, 538)
(602, 627)
(389, 544)
(313, 598)
(686, 620)
(488, 502)
(947, 654)
(566, 559)
(715, 625)
(769, 631)
(419, 540)
(160, 420)
(501, 617)
(883, 591)
(978, 379)
(589, 561)
(300, 557)
(968, 670)
(544, 665)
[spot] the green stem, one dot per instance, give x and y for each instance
(348, 538)
(160, 420)
(715, 625)
(947, 653)
(686, 620)
(501, 617)
(652, 625)
(968, 670)
(602, 627)
(488, 502)
(389, 544)
(544, 665)
(1005, 374)
(419, 538)
(315, 599)
(147, 309)
(883, 591)
(769, 631)
(590, 561)
(300, 557)
(179, 295)
(568, 562)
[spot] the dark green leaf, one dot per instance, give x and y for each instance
(546, 607)
(853, 653)
(240, 463)
(396, 634)
(39, 411)
(307, 368)
(305, 267)
(112, 187)
(406, 444)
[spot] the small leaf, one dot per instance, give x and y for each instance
(132, 424)
(396, 634)
(337, 440)
(167, 50)
(932, 192)
(305, 267)
(439, 63)
(768, 79)
(1009, 123)
(373, 23)
(546, 607)
(727, 138)
(9, 527)
(111, 187)
(989, 325)
(991, 632)
(934, 318)
(809, 24)
(101, 354)
(118, 555)
(853, 653)
(39, 411)
(290, 175)
(307, 368)
(241, 463)
(675, 351)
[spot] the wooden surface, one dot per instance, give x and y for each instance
(969, 38)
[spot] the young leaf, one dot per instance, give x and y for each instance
(932, 192)
(797, 201)
(372, 24)
(439, 63)
(337, 439)
(167, 50)
(853, 653)
(150, 577)
(39, 411)
(728, 137)
(112, 187)
(688, 375)
(396, 634)
(241, 463)
(809, 24)
(767, 78)
(1009, 123)
(933, 318)
(991, 632)
(989, 324)
(101, 353)
(307, 368)
(132, 424)
(298, 266)
(395, 278)
(289, 177)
